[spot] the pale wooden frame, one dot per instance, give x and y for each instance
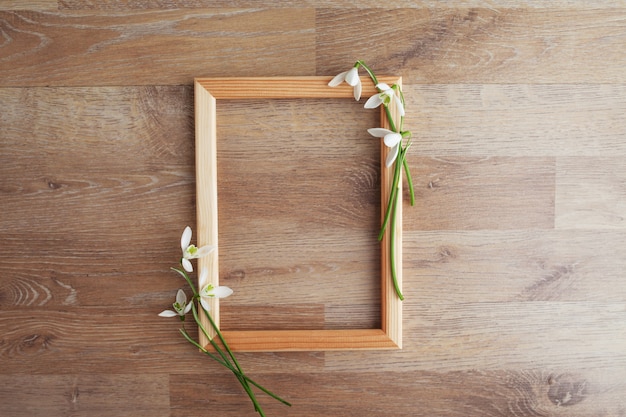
(207, 92)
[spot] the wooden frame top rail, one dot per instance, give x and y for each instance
(284, 87)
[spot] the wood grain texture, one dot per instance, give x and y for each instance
(338, 4)
(553, 392)
(472, 266)
(513, 256)
(478, 45)
(100, 340)
(457, 336)
(592, 193)
(29, 5)
(483, 193)
(81, 394)
(75, 48)
(293, 87)
(282, 219)
(492, 119)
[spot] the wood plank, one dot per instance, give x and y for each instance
(66, 281)
(107, 341)
(574, 392)
(336, 4)
(319, 268)
(481, 193)
(515, 313)
(196, 42)
(446, 336)
(53, 130)
(484, 45)
(517, 119)
(590, 193)
(272, 316)
(39, 5)
(64, 155)
(85, 394)
(548, 265)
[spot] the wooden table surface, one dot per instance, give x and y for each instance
(514, 254)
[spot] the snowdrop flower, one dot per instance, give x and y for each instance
(352, 78)
(191, 251)
(209, 291)
(180, 306)
(384, 97)
(391, 139)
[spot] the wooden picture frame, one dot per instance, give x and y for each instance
(208, 91)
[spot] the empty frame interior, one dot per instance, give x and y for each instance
(208, 92)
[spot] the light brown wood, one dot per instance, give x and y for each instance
(333, 4)
(461, 44)
(207, 93)
(68, 394)
(513, 257)
(246, 88)
(310, 340)
(29, 4)
(81, 48)
(206, 199)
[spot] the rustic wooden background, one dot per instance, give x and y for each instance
(514, 256)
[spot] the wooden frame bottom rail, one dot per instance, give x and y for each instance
(307, 340)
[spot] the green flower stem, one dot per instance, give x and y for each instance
(196, 295)
(403, 104)
(396, 175)
(392, 231)
(206, 334)
(369, 71)
(230, 367)
(186, 335)
(225, 360)
(237, 371)
(184, 275)
(222, 339)
(268, 392)
(392, 251)
(401, 162)
(243, 381)
(408, 179)
(387, 213)
(392, 197)
(392, 125)
(391, 215)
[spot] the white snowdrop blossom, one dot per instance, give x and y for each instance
(384, 97)
(352, 78)
(191, 251)
(391, 139)
(180, 306)
(209, 291)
